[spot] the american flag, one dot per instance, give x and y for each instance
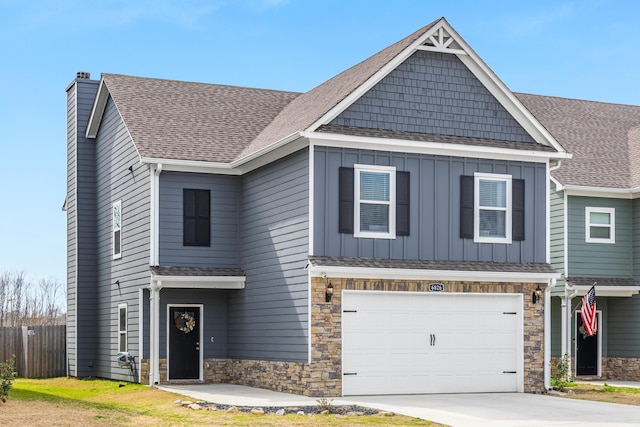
(588, 312)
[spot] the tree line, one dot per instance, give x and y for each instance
(31, 302)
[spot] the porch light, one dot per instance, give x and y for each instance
(328, 293)
(537, 295)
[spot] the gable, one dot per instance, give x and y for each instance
(433, 93)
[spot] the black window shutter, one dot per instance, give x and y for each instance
(517, 213)
(345, 221)
(196, 217)
(466, 207)
(402, 203)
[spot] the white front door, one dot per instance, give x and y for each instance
(413, 343)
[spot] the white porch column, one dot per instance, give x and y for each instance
(547, 333)
(154, 332)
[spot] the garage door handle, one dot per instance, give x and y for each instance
(350, 373)
(509, 372)
(432, 338)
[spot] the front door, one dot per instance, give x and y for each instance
(586, 349)
(184, 342)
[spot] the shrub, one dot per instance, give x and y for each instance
(7, 375)
(563, 373)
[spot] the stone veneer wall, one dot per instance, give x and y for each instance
(613, 368)
(323, 376)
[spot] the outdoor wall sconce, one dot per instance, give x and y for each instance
(328, 293)
(536, 295)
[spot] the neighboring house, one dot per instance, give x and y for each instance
(385, 232)
(595, 237)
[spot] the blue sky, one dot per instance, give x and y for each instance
(588, 49)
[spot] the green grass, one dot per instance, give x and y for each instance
(68, 401)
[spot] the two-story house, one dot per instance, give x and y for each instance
(595, 212)
(385, 232)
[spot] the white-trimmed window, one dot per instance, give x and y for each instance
(122, 327)
(492, 208)
(375, 201)
(116, 215)
(600, 225)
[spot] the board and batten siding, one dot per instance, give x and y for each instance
(599, 259)
(225, 194)
(268, 319)
(115, 154)
(81, 231)
(433, 93)
(434, 208)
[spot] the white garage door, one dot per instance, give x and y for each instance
(413, 343)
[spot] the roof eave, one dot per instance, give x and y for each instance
(97, 110)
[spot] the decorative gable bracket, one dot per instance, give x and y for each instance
(442, 41)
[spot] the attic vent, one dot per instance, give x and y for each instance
(442, 41)
(83, 75)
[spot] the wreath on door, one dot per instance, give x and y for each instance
(185, 322)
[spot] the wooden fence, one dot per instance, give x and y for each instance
(40, 351)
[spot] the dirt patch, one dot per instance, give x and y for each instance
(45, 414)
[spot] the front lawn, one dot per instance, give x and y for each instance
(72, 402)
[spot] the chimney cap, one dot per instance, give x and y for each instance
(83, 75)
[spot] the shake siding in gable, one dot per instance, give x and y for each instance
(225, 191)
(115, 154)
(269, 318)
(81, 251)
(600, 259)
(434, 208)
(433, 93)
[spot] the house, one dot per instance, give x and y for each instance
(594, 233)
(386, 232)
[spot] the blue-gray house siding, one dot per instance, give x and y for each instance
(433, 93)
(225, 194)
(81, 231)
(434, 208)
(115, 155)
(268, 319)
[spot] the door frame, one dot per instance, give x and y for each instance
(201, 329)
(599, 344)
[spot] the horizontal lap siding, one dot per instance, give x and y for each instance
(223, 251)
(115, 154)
(269, 318)
(81, 250)
(636, 240)
(434, 208)
(623, 318)
(600, 259)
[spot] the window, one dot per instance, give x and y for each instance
(600, 225)
(117, 229)
(122, 327)
(492, 208)
(375, 211)
(373, 201)
(196, 217)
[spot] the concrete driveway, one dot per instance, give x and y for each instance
(459, 410)
(503, 409)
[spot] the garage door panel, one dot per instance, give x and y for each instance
(425, 343)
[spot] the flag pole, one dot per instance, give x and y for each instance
(576, 309)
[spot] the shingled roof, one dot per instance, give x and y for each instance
(170, 119)
(603, 138)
